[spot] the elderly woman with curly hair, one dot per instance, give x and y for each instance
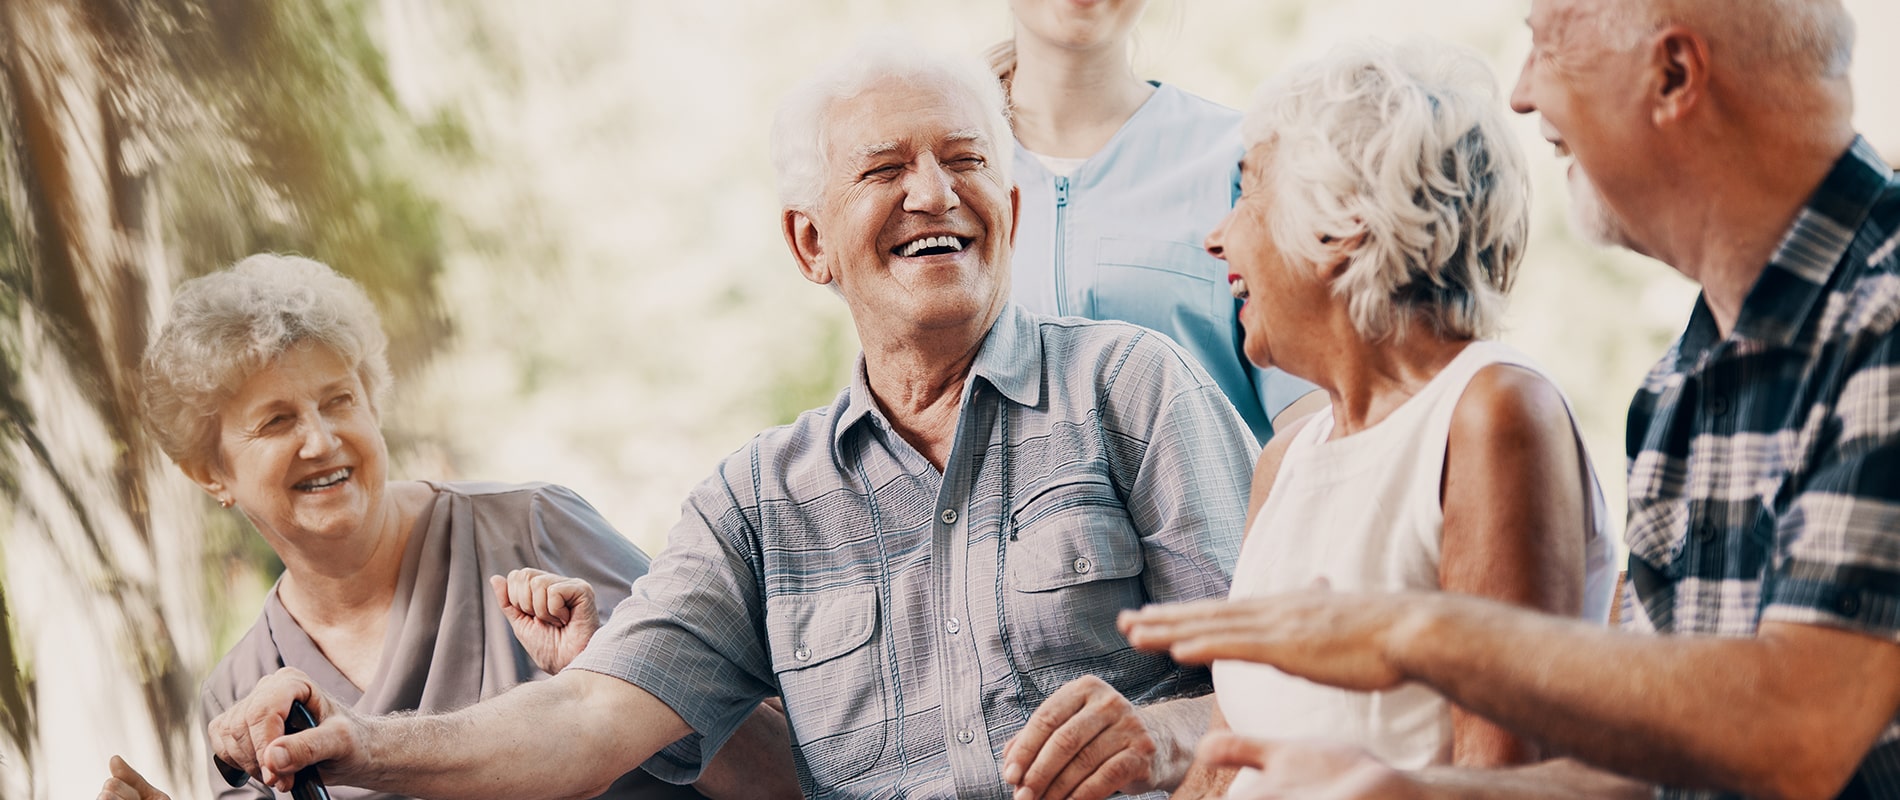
(1382, 218)
(266, 388)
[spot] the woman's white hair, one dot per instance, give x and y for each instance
(229, 325)
(1397, 158)
(798, 133)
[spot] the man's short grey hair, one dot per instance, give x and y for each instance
(1804, 39)
(230, 325)
(1401, 155)
(798, 133)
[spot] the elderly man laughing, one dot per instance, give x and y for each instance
(913, 568)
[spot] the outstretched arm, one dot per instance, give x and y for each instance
(569, 736)
(1787, 713)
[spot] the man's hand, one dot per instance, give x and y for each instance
(553, 616)
(250, 734)
(1340, 640)
(127, 784)
(1085, 741)
(1311, 770)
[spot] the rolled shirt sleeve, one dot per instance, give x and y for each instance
(689, 633)
(1842, 530)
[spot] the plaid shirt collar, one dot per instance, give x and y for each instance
(1781, 303)
(1010, 359)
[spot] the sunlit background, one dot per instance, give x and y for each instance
(566, 213)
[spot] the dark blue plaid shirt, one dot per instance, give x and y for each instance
(1764, 468)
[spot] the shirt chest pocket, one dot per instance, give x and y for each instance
(1072, 533)
(1076, 563)
(831, 672)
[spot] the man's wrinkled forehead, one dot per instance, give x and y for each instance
(896, 113)
(1562, 23)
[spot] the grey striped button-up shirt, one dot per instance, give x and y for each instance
(913, 620)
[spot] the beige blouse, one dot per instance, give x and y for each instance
(448, 644)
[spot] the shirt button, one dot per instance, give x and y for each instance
(1848, 604)
(953, 625)
(949, 516)
(1083, 565)
(1718, 405)
(966, 736)
(802, 654)
(1705, 533)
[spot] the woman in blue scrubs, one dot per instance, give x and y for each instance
(1121, 181)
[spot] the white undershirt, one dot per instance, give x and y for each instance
(1058, 165)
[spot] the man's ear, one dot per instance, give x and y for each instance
(1679, 73)
(801, 235)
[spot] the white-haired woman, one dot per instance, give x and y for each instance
(266, 388)
(1121, 179)
(1381, 221)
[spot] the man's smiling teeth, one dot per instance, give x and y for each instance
(325, 481)
(1238, 286)
(943, 244)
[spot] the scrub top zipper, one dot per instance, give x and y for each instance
(1061, 236)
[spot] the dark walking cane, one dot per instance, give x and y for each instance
(308, 785)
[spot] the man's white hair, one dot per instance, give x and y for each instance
(1401, 153)
(1805, 39)
(798, 133)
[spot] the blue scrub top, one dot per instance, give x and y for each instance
(1121, 239)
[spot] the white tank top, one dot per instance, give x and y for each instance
(1363, 512)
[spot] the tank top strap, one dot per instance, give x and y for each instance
(1449, 386)
(1440, 399)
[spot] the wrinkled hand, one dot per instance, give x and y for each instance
(554, 616)
(1327, 637)
(250, 734)
(127, 784)
(1085, 741)
(1307, 770)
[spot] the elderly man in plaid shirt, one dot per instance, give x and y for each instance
(1758, 654)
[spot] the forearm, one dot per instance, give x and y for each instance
(567, 737)
(1176, 727)
(756, 762)
(1204, 780)
(1759, 715)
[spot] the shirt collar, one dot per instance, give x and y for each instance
(1164, 103)
(1010, 359)
(1783, 299)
